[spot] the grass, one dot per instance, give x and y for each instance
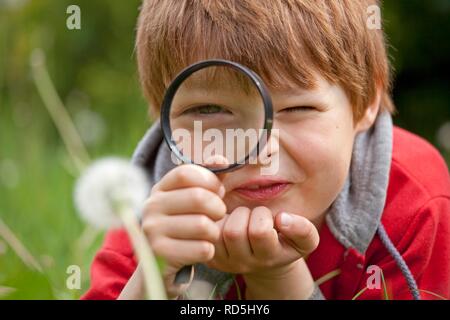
(37, 207)
(40, 214)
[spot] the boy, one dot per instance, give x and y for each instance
(377, 197)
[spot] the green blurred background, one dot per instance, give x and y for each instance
(94, 72)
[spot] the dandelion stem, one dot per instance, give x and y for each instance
(153, 283)
(60, 116)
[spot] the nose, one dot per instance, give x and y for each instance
(270, 149)
(216, 162)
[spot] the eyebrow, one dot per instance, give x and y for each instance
(188, 95)
(214, 88)
(300, 96)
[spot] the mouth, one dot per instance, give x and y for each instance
(263, 189)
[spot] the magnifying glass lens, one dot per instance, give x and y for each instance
(217, 117)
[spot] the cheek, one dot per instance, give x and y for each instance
(323, 151)
(319, 145)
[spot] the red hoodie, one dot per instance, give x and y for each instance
(416, 217)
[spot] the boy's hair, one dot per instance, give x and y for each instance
(285, 41)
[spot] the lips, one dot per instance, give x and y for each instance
(262, 189)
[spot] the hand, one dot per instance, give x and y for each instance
(262, 246)
(179, 219)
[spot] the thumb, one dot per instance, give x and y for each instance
(301, 233)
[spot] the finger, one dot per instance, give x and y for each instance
(235, 233)
(221, 255)
(186, 200)
(190, 175)
(221, 249)
(263, 237)
(178, 253)
(187, 227)
(299, 231)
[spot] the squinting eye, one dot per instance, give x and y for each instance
(205, 109)
(299, 108)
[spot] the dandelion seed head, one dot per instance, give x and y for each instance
(106, 184)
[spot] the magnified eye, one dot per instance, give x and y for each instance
(206, 109)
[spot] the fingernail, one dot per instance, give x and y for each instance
(286, 219)
(222, 191)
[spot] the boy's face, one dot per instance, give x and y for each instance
(314, 146)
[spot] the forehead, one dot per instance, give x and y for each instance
(226, 79)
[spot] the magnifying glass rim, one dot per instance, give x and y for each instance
(185, 73)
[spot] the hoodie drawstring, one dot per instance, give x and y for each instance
(412, 284)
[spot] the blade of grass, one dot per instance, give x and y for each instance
(386, 296)
(238, 289)
(433, 294)
(359, 293)
(213, 292)
(17, 246)
(55, 107)
(186, 295)
(5, 291)
(86, 239)
(328, 276)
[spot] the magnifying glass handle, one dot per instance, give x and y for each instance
(183, 275)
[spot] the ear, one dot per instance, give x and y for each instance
(370, 115)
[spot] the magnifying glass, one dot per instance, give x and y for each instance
(217, 114)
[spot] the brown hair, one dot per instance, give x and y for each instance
(284, 41)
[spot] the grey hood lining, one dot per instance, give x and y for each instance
(356, 213)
